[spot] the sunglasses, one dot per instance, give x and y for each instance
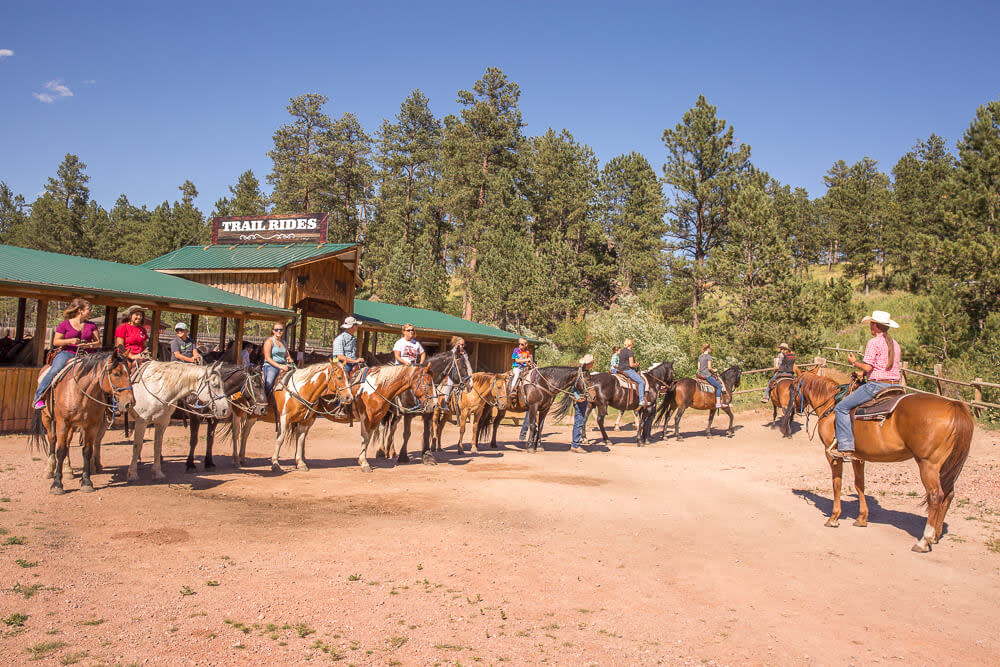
(277, 330)
(405, 330)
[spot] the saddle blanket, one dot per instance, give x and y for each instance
(704, 386)
(60, 375)
(628, 383)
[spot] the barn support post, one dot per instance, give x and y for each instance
(154, 335)
(22, 311)
(475, 356)
(374, 342)
(365, 338)
(303, 331)
(222, 332)
(237, 340)
(110, 320)
(194, 329)
(38, 341)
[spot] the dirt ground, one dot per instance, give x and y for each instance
(698, 551)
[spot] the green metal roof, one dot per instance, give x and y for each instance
(28, 269)
(426, 320)
(264, 256)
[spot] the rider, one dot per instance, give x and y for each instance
(520, 359)
(580, 408)
(459, 360)
(132, 334)
(615, 359)
(182, 348)
(881, 366)
(626, 359)
(73, 333)
(786, 367)
(407, 351)
(275, 356)
(345, 346)
(707, 373)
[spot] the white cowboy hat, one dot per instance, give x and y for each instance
(349, 322)
(586, 359)
(881, 317)
(783, 346)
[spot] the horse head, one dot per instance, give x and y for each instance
(731, 377)
(212, 391)
(422, 383)
(339, 383)
(253, 390)
(116, 380)
(498, 390)
(586, 386)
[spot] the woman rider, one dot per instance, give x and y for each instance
(786, 368)
(460, 366)
(707, 373)
(275, 356)
(73, 333)
(881, 366)
(131, 334)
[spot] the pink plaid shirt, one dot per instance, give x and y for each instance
(877, 356)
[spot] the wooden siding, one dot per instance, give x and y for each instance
(495, 357)
(328, 281)
(263, 287)
(17, 387)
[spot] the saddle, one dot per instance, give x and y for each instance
(61, 374)
(882, 406)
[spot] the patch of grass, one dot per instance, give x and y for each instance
(479, 598)
(354, 577)
(53, 631)
(503, 614)
(303, 630)
(26, 563)
(4, 499)
(14, 539)
(212, 582)
(611, 634)
(3, 531)
(93, 621)
(39, 651)
(585, 611)
(282, 643)
(35, 458)
(994, 546)
(15, 620)
(26, 591)
(195, 614)
(962, 502)
(173, 629)
(396, 642)
(449, 647)
(72, 658)
(420, 566)
(237, 625)
(187, 590)
(551, 626)
(331, 651)
(372, 583)
(524, 633)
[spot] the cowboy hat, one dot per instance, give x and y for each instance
(349, 322)
(880, 317)
(135, 309)
(586, 359)
(783, 346)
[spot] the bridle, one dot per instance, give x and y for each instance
(203, 382)
(113, 389)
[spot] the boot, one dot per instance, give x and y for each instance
(718, 402)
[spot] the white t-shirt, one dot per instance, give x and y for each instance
(409, 350)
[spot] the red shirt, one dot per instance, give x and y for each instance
(134, 337)
(877, 356)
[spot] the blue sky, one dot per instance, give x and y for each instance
(151, 95)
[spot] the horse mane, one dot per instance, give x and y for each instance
(85, 363)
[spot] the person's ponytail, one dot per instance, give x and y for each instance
(892, 346)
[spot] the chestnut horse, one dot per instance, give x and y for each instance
(780, 390)
(297, 403)
(687, 394)
(91, 387)
(484, 392)
(934, 430)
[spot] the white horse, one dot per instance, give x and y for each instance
(159, 387)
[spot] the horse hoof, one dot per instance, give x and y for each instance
(830, 523)
(132, 477)
(403, 459)
(209, 465)
(275, 467)
(189, 467)
(365, 467)
(861, 524)
(920, 548)
(159, 478)
(302, 466)
(86, 488)
(57, 490)
(98, 468)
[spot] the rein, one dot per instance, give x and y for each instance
(111, 407)
(202, 382)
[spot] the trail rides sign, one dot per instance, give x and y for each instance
(303, 228)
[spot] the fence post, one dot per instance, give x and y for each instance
(977, 395)
(902, 375)
(937, 372)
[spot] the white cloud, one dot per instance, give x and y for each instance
(6, 53)
(54, 90)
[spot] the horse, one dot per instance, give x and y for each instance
(482, 392)
(90, 386)
(779, 397)
(245, 390)
(159, 387)
(934, 430)
(686, 393)
(538, 389)
(607, 390)
(460, 366)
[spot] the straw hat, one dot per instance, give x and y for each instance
(880, 317)
(349, 322)
(586, 359)
(783, 346)
(135, 309)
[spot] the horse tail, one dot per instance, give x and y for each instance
(482, 429)
(564, 406)
(962, 425)
(38, 439)
(789, 414)
(659, 416)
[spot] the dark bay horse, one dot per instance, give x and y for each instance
(687, 394)
(934, 430)
(605, 390)
(247, 399)
(79, 401)
(539, 389)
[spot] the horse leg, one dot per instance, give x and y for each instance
(711, 418)
(61, 450)
(192, 443)
(138, 430)
(930, 475)
(677, 422)
(618, 421)
(97, 446)
(939, 526)
(463, 416)
(602, 411)
(301, 431)
(158, 431)
(496, 425)
(859, 486)
(209, 441)
(537, 431)
(363, 456)
(403, 456)
(89, 435)
(248, 423)
(732, 419)
(279, 438)
(837, 471)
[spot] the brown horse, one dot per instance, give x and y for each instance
(934, 430)
(92, 385)
(780, 391)
(297, 403)
(685, 393)
(484, 392)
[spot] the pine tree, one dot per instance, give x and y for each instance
(705, 166)
(246, 198)
(632, 210)
(302, 171)
(348, 149)
(12, 212)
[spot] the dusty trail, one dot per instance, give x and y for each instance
(697, 551)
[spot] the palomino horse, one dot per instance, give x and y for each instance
(604, 389)
(687, 394)
(159, 388)
(482, 393)
(245, 389)
(538, 389)
(934, 430)
(93, 384)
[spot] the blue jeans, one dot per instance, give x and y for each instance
(61, 359)
(579, 421)
(845, 430)
(270, 375)
(525, 424)
(632, 375)
(715, 383)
